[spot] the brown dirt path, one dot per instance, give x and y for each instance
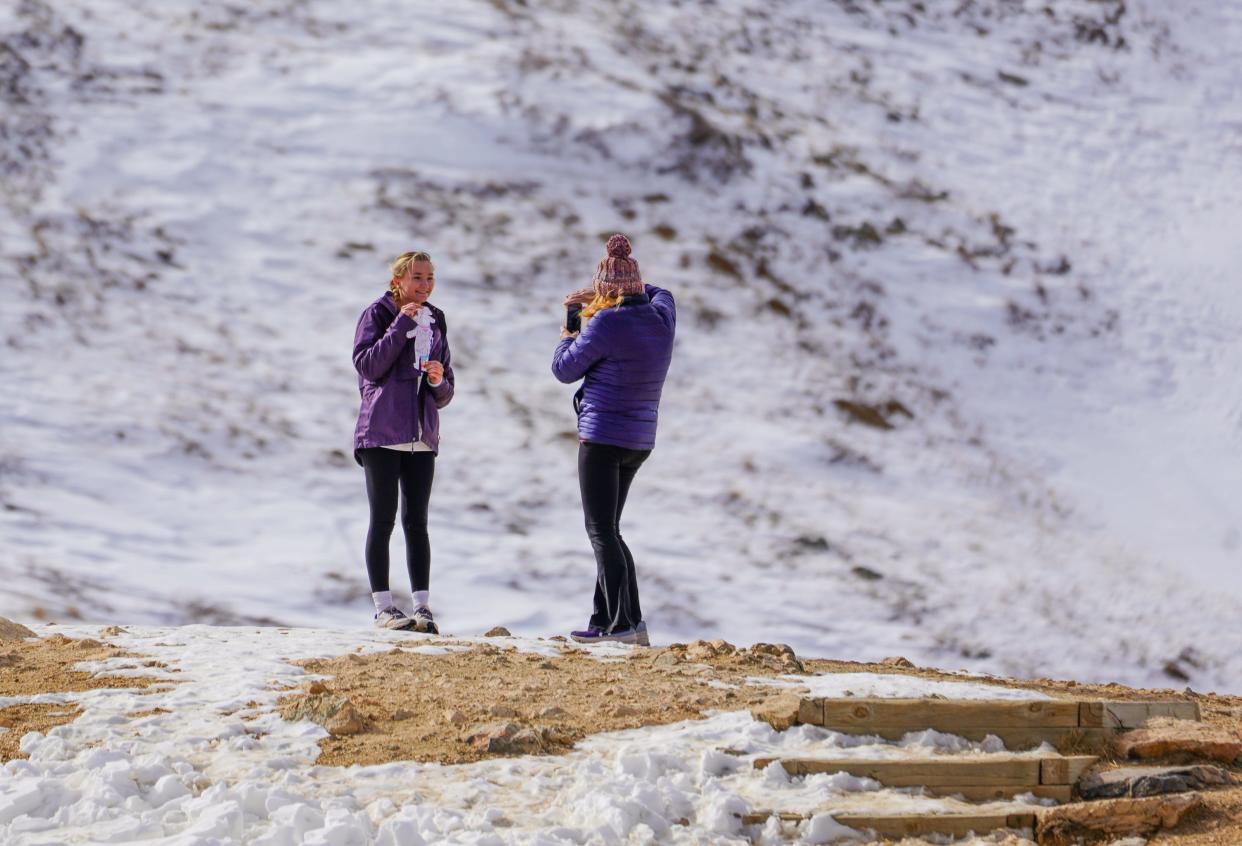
(29, 667)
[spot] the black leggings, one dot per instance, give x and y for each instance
(412, 472)
(604, 474)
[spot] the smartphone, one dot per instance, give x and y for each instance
(573, 319)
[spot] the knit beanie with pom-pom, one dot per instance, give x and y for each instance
(617, 273)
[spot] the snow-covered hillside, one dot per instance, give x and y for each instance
(955, 377)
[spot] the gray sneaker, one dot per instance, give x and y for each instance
(392, 617)
(424, 622)
(641, 633)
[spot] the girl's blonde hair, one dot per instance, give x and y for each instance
(401, 264)
(600, 303)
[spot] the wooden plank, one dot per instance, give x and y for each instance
(1091, 714)
(991, 771)
(1128, 715)
(919, 825)
(1131, 715)
(1064, 769)
(948, 715)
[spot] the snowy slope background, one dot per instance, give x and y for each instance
(1002, 232)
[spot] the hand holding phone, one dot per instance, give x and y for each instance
(573, 317)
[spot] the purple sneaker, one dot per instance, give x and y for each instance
(593, 635)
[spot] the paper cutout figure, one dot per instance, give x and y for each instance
(421, 333)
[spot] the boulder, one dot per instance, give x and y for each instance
(1110, 819)
(498, 631)
(1151, 781)
(897, 661)
(1182, 740)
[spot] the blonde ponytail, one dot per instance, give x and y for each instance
(600, 303)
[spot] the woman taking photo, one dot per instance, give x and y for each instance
(622, 354)
(401, 353)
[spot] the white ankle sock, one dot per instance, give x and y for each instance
(382, 600)
(421, 600)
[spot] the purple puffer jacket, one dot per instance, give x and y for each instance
(624, 354)
(397, 406)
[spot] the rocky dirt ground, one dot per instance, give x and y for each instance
(473, 701)
(46, 665)
(494, 700)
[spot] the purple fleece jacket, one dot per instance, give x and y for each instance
(398, 406)
(622, 355)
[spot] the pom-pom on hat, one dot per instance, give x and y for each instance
(617, 274)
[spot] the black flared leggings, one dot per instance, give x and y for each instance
(604, 474)
(389, 471)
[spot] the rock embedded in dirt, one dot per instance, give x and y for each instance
(10, 631)
(775, 649)
(666, 660)
(778, 657)
(705, 650)
(780, 712)
(696, 669)
(1138, 782)
(337, 714)
(1110, 819)
(1184, 740)
(506, 739)
(112, 631)
(498, 631)
(897, 661)
(346, 721)
(502, 710)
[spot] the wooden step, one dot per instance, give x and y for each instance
(1122, 716)
(1020, 724)
(988, 777)
(948, 715)
(915, 825)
